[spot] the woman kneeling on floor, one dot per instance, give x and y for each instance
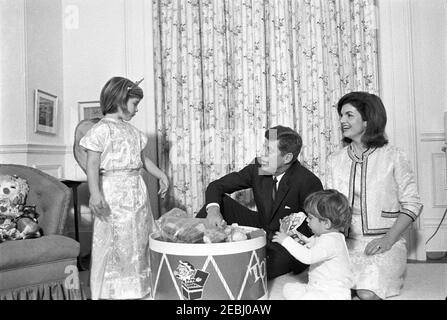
(378, 180)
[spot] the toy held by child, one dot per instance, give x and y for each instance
(330, 274)
(116, 153)
(290, 224)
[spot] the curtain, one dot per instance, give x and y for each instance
(227, 70)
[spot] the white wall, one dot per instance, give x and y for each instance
(412, 56)
(44, 62)
(94, 51)
(31, 58)
(102, 39)
(429, 36)
(13, 105)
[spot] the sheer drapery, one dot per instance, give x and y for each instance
(227, 70)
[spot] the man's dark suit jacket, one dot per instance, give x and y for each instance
(296, 184)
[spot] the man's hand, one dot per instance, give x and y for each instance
(279, 237)
(214, 216)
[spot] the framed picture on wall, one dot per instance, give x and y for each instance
(45, 112)
(89, 110)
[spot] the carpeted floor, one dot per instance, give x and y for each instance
(424, 281)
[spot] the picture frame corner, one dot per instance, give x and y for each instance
(45, 112)
(89, 110)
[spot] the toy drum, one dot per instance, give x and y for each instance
(209, 271)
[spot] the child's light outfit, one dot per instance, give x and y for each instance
(330, 273)
(120, 266)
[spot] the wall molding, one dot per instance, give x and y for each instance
(438, 241)
(434, 222)
(54, 170)
(432, 136)
(29, 148)
(439, 179)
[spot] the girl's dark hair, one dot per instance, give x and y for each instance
(373, 112)
(116, 92)
(331, 205)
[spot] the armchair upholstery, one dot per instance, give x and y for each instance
(45, 267)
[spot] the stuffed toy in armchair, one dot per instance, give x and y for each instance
(17, 221)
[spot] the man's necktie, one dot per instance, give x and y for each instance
(274, 188)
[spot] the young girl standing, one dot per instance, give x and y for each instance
(119, 201)
(330, 272)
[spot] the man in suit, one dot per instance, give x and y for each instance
(280, 185)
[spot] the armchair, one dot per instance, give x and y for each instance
(42, 268)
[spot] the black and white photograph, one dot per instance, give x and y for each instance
(250, 152)
(89, 110)
(45, 112)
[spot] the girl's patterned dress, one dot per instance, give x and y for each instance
(120, 254)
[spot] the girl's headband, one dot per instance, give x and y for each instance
(135, 84)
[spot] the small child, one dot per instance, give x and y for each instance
(330, 274)
(116, 153)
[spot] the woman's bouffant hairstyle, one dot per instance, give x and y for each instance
(331, 205)
(289, 141)
(116, 92)
(373, 112)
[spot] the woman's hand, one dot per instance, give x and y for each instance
(279, 237)
(164, 186)
(393, 235)
(379, 245)
(99, 207)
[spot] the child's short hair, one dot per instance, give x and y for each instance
(116, 92)
(332, 205)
